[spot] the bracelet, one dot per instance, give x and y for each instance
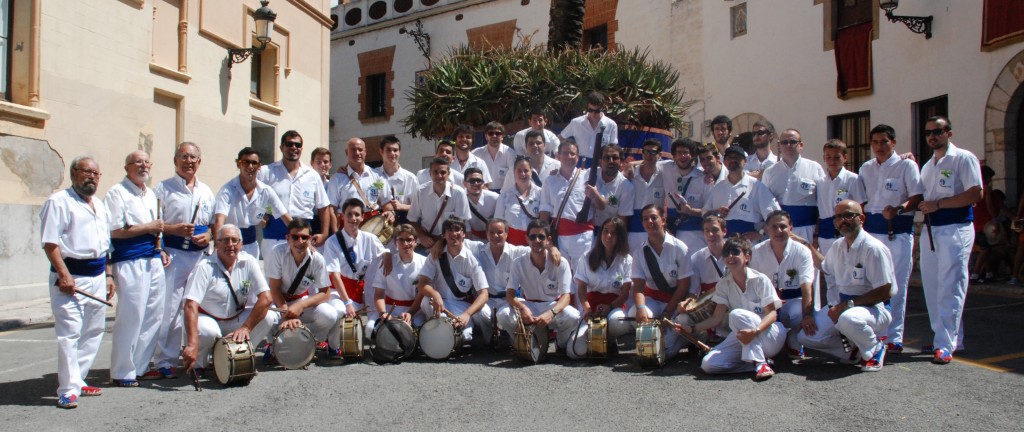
(348, 302)
(110, 275)
(553, 313)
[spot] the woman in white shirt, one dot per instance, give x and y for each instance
(603, 283)
(520, 203)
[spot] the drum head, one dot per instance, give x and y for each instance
(294, 347)
(437, 338)
(393, 340)
(222, 360)
(539, 348)
(650, 346)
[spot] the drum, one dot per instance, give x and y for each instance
(701, 308)
(530, 343)
(378, 226)
(392, 340)
(597, 338)
(294, 347)
(234, 363)
(352, 338)
(439, 338)
(650, 346)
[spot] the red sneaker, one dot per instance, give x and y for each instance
(91, 391)
(764, 372)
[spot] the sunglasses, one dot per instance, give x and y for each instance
(732, 252)
(291, 144)
(762, 132)
(790, 142)
(537, 237)
(651, 152)
(475, 181)
(934, 132)
(300, 237)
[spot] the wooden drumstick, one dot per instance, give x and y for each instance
(82, 292)
(693, 339)
(160, 236)
(188, 239)
(737, 200)
(195, 378)
(928, 226)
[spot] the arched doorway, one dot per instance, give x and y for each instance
(1004, 140)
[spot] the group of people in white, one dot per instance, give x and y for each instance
(516, 235)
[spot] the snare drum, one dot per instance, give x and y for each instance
(392, 340)
(294, 347)
(234, 363)
(701, 308)
(597, 338)
(439, 338)
(650, 345)
(531, 346)
(378, 226)
(352, 338)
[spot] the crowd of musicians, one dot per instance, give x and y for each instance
(715, 247)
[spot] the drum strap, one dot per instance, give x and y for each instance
(655, 269)
(449, 278)
(359, 190)
(477, 213)
(523, 206)
(682, 217)
(348, 254)
(298, 276)
(440, 211)
(714, 262)
(565, 199)
(536, 178)
(231, 289)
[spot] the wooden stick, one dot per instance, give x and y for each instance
(80, 291)
(737, 200)
(928, 226)
(188, 239)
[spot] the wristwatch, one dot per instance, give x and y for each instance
(850, 304)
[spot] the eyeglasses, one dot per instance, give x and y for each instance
(141, 163)
(89, 173)
(934, 132)
(455, 229)
(188, 157)
(790, 142)
(537, 237)
(732, 252)
(848, 215)
(762, 132)
(406, 240)
(475, 181)
(290, 144)
(495, 133)
(612, 158)
(594, 110)
(651, 152)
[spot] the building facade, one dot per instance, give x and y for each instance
(103, 78)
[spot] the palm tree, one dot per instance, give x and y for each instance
(565, 28)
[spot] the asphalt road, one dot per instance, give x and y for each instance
(981, 390)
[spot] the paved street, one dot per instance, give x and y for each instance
(981, 390)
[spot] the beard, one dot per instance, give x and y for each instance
(87, 189)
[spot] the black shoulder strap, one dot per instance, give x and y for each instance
(348, 255)
(655, 269)
(536, 178)
(477, 213)
(523, 206)
(301, 273)
(714, 261)
(449, 278)
(231, 289)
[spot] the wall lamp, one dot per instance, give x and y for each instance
(421, 37)
(264, 18)
(916, 24)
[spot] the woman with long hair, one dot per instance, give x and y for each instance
(603, 283)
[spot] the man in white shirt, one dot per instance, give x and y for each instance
(613, 195)
(687, 188)
(541, 164)
(837, 187)
(584, 128)
(561, 200)
(247, 203)
(538, 123)
(349, 254)
(481, 203)
(300, 189)
(445, 150)
(435, 202)
(763, 133)
(741, 199)
(403, 183)
(793, 182)
(496, 155)
(721, 131)
(356, 180)
(454, 282)
(463, 159)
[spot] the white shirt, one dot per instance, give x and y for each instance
(580, 129)
(707, 269)
(454, 177)
(673, 261)
(555, 187)
(890, 183)
(130, 205)
(499, 165)
(244, 212)
(303, 194)
(696, 192)
(426, 204)
(375, 189)
(757, 203)
(831, 191)
(759, 293)
(794, 185)
(508, 207)
(466, 272)
(497, 273)
(606, 279)
(179, 202)
(79, 230)
(486, 205)
(472, 162)
(546, 286)
(619, 194)
(649, 191)
(208, 285)
(364, 249)
(401, 283)
(547, 167)
(795, 269)
(551, 142)
(860, 267)
(955, 173)
(403, 184)
(281, 265)
(756, 164)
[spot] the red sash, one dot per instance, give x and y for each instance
(294, 297)
(390, 301)
(658, 295)
(354, 288)
(516, 237)
(597, 299)
(568, 227)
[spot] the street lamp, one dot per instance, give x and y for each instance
(916, 24)
(264, 18)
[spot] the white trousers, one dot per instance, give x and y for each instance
(573, 247)
(210, 330)
(140, 310)
(79, 324)
(372, 317)
(832, 294)
(902, 250)
(487, 328)
(616, 328)
(169, 338)
(334, 337)
(731, 356)
(458, 307)
(944, 276)
(790, 315)
(564, 323)
(673, 341)
(321, 320)
(252, 249)
(694, 241)
(861, 325)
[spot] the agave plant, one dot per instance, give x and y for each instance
(504, 84)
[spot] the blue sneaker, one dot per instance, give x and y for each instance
(876, 361)
(125, 383)
(942, 357)
(268, 357)
(895, 348)
(67, 401)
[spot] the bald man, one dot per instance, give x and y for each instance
(356, 180)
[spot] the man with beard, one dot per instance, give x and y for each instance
(76, 238)
(463, 158)
(584, 128)
(188, 212)
(613, 195)
(496, 155)
(764, 134)
(687, 189)
(300, 189)
(541, 165)
(721, 131)
(138, 265)
(742, 200)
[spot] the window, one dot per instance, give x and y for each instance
(853, 130)
(5, 54)
(377, 104)
(922, 111)
(254, 77)
(596, 38)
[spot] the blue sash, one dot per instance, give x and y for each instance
(802, 215)
(178, 242)
(143, 246)
(501, 294)
(636, 223)
(275, 229)
(952, 216)
(790, 294)
(737, 226)
(248, 235)
(692, 223)
(401, 217)
(876, 224)
(826, 229)
(85, 267)
(314, 224)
